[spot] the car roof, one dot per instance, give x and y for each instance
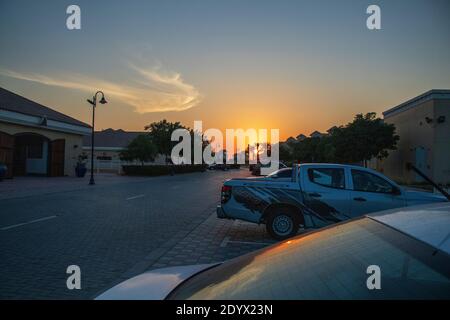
(338, 165)
(428, 223)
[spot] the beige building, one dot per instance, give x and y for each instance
(37, 140)
(108, 145)
(423, 124)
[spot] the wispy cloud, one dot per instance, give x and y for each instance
(151, 89)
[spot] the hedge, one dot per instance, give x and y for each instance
(159, 170)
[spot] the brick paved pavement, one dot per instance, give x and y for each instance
(115, 231)
(215, 240)
(20, 187)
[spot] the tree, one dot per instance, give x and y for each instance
(160, 133)
(140, 148)
(325, 149)
(364, 138)
(285, 152)
(205, 142)
(308, 150)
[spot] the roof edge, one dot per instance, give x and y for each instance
(18, 118)
(80, 123)
(433, 94)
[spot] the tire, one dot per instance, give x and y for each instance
(283, 223)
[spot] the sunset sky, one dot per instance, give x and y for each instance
(295, 65)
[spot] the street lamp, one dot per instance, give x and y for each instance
(93, 102)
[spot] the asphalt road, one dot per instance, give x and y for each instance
(110, 231)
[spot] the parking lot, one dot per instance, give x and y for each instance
(121, 227)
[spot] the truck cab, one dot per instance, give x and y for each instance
(350, 190)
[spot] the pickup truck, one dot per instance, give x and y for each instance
(313, 196)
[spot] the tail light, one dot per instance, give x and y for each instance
(225, 194)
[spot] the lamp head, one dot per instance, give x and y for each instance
(103, 100)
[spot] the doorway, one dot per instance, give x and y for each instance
(31, 154)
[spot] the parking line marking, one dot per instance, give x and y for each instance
(135, 197)
(25, 223)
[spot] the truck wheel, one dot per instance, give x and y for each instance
(282, 224)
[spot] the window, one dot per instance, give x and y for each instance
(368, 182)
(105, 158)
(329, 264)
(328, 177)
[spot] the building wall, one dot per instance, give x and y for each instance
(73, 144)
(115, 155)
(115, 164)
(441, 151)
(426, 145)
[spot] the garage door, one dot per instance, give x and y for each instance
(57, 158)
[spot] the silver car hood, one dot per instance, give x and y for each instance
(152, 285)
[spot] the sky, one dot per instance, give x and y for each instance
(296, 66)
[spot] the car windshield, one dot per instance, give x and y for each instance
(329, 264)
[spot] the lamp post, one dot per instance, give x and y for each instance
(93, 102)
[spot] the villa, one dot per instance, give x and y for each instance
(37, 140)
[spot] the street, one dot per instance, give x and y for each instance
(114, 231)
